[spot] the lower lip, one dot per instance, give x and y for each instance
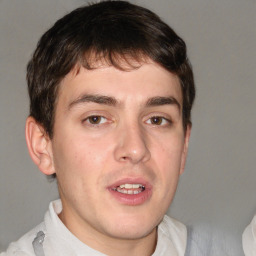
(134, 199)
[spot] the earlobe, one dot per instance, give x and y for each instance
(39, 146)
(185, 149)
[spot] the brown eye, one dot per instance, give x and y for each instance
(95, 119)
(156, 120)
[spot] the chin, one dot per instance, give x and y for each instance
(131, 234)
(134, 228)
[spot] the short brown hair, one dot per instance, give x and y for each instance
(109, 30)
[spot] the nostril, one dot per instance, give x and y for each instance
(131, 147)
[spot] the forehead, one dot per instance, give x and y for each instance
(146, 80)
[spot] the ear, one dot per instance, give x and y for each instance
(39, 146)
(185, 149)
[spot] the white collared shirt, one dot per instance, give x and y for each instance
(52, 237)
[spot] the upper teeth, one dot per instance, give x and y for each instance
(129, 186)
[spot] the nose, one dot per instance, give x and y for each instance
(132, 145)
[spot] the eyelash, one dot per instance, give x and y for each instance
(160, 120)
(89, 119)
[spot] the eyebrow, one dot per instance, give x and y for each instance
(159, 101)
(111, 101)
(99, 99)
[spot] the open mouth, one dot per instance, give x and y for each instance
(130, 189)
(131, 192)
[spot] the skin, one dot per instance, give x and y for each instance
(96, 144)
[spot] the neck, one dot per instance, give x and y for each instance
(108, 245)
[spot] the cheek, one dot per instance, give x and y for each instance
(168, 163)
(168, 154)
(81, 156)
(167, 159)
(92, 154)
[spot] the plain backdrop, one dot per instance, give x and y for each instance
(217, 192)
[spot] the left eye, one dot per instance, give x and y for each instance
(96, 119)
(157, 120)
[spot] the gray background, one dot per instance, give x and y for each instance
(216, 195)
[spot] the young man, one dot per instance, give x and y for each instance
(111, 91)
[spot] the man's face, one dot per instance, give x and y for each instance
(118, 149)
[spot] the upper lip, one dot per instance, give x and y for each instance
(131, 180)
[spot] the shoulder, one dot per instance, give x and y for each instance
(212, 239)
(24, 246)
(249, 238)
(28, 243)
